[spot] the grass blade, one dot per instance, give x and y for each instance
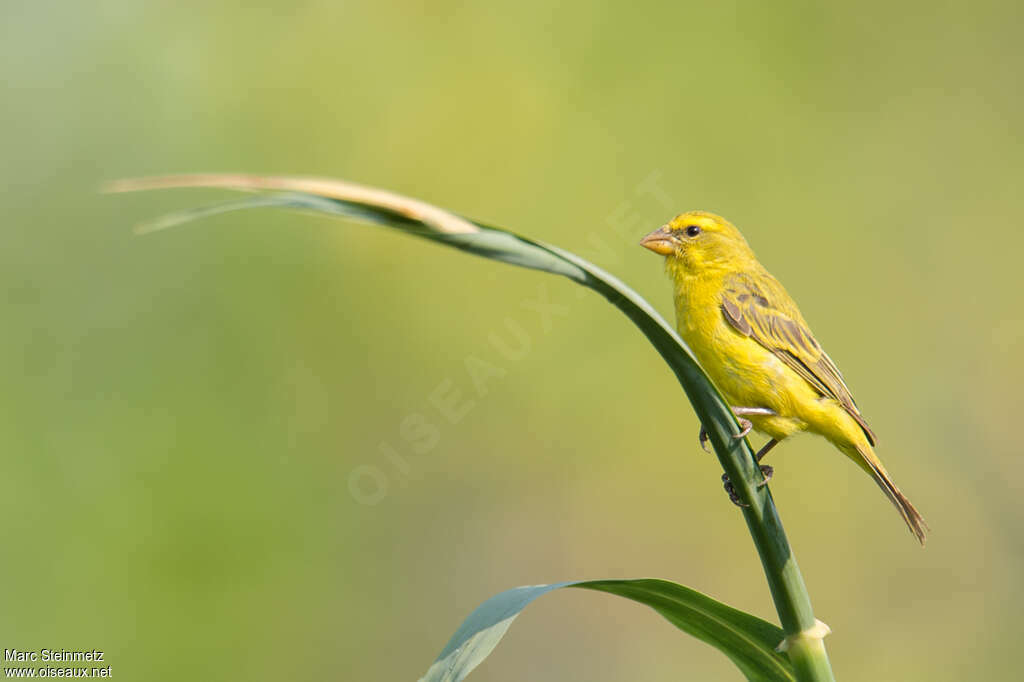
(747, 640)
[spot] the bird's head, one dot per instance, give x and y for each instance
(699, 241)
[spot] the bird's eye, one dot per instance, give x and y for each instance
(692, 231)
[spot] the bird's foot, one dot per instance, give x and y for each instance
(766, 473)
(745, 426)
(733, 497)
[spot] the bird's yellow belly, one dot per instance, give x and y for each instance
(749, 375)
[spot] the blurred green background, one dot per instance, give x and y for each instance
(186, 415)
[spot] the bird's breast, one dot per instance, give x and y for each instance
(746, 373)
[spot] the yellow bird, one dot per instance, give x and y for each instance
(753, 342)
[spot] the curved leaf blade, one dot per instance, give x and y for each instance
(747, 640)
(424, 220)
(480, 633)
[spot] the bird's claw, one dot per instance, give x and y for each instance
(733, 497)
(745, 425)
(766, 472)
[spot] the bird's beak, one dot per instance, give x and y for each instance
(659, 241)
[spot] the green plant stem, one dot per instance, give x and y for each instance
(785, 581)
(810, 660)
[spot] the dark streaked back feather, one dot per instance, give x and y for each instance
(759, 307)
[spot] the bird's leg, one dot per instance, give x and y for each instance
(766, 449)
(766, 471)
(745, 424)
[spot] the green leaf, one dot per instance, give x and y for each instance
(749, 641)
(427, 221)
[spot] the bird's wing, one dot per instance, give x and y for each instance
(760, 308)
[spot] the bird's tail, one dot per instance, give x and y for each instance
(864, 456)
